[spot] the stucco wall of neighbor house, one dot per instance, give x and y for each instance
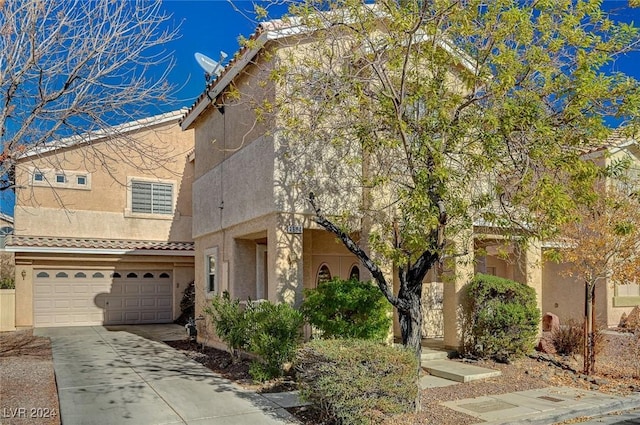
(180, 266)
(102, 208)
(563, 295)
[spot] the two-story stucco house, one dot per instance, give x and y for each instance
(103, 226)
(255, 235)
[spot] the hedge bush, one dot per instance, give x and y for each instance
(275, 334)
(271, 331)
(357, 382)
(230, 322)
(503, 317)
(347, 309)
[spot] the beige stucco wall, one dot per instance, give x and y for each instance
(564, 296)
(102, 210)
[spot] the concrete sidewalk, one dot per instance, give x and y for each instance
(115, 377)
(543, 406)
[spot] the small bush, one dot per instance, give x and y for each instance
(187, 304)
(347, 309)
(230, 321)
(568, 339)
(357, 382)
(274, 335)
(7, 283)
(503, 317)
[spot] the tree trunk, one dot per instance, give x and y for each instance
(411, 328)
(592, 337)
(589, 343)
(585, 329)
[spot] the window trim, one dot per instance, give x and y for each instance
(128, 212)
(208, 254)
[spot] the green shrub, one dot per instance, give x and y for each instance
(230, 321)
(347, 309)
(7, 283)
(275, 334)
(357, 381)
(503, 317)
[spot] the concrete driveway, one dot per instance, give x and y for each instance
(117, 377)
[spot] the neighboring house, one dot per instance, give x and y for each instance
(103, 227)
(563, 295)
(7, 263)
(255, 236)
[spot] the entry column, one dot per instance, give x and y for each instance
(460, 270)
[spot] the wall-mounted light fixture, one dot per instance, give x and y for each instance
(23, 273)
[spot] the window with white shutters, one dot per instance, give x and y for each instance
(151, 198)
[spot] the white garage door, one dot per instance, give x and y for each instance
(96, 297)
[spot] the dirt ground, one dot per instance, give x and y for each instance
(28, 390)
(28, 393)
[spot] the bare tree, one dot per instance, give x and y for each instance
(74, 68)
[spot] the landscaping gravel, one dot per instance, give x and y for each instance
(28, 393)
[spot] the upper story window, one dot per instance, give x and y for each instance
(151, 198)
(61, 179)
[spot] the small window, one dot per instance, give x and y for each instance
(354, 274)
(148, 276)
(211, 280)
(164, 275)
(61, 274)
(42, 274)
(81, 180)
(98, 275)
(80, 275)
(132, 275)
(38, 177)
(324, 274)
(116, 275)
(60, 178)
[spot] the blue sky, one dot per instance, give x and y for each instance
(208, 26)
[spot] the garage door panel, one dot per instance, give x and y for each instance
(131, 302)
(147, 302)
(69, 297)
(131, 289)
(164, 302)
(148, 289)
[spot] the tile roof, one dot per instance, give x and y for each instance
(109, 244)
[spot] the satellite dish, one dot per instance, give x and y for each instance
(210, 66)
